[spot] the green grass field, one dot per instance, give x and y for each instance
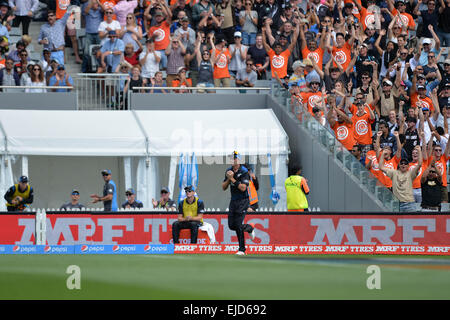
(164, 277)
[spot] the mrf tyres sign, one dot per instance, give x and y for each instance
(285, 229)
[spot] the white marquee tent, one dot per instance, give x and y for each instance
(143, 135)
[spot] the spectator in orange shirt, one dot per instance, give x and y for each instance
(342, 127)
(390, 162)
(310, 49)
(221, 61)
(404, 19)
(278, 57)
(362, 129)
(182, 81)
(341, 51)
(160, 32)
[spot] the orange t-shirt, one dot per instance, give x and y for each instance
(109, 4)
(184, 84)
(416, 181)
(61, 8)
(343, 55)
(2, 63)
(417, 102)
(161, 35)
(441, 164)
(316, 55)
(313, 99)
(362, 128)
(279, 63)
(406, 19)
(367, 18)
(390, 164)
(371, 156)
(344, 134)
(221, 64)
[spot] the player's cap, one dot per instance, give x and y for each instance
(238, 34)
(189, 189)
(165, 190)
(426, 41)
(106, 172)
(112, 33)
(447, 61)
(23, 179)
(425, 109)
(75, 191)
(130, 191)
(185, 18)
(388, 82)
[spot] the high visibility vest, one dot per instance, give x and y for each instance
(252, 194)
(295, 197)
(25, 194)
(190, 209)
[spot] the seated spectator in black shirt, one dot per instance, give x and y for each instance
(131, 202)
(74, 202)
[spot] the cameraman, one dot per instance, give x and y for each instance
(19, 196)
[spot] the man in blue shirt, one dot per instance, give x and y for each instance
(109, 197)
(112, 51)
(51, 35)
(93, 15)
(61, 79)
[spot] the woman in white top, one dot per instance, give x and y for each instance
(36, 79)
(131, 33)
(238, 54)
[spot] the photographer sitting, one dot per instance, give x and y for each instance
(19, 196)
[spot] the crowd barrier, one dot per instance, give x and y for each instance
(319, 233)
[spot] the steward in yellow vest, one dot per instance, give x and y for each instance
(296, 190)
(190, 215)
(19, 196)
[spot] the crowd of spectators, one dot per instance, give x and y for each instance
(374, 72)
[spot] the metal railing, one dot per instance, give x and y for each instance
(105, 91)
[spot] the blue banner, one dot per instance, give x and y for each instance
(89, 249)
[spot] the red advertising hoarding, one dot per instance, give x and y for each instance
(271, 229)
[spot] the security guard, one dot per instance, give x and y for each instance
(190, 215)
(237, 178)
(296, 190)
(19, 196)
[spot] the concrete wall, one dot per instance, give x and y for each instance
(38, 101)
(142, 101)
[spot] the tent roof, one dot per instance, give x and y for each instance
(117, 133)
(214, 132)
(72, 133)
